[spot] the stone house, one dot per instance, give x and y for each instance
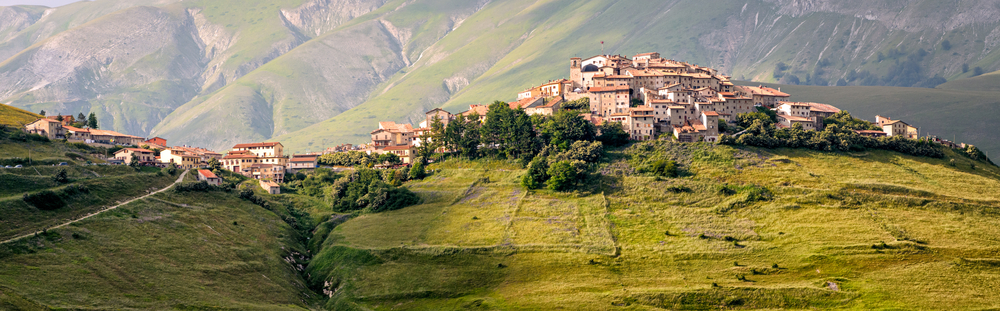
(209, 177)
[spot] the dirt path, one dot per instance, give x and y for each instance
(179, 179)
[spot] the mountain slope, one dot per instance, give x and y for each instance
(14, 116)
(707, 33)
(318, 80)
(456, 53)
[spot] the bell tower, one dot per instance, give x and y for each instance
(575, 74)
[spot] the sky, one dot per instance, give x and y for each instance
(48, 3)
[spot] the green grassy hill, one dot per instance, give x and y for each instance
(742, 228)
(960, 111)
(872, 230)
(16, 117)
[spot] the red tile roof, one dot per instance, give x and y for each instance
(608, 89)
(711, 113)
(392, 148)
(207, 174)
(252, 145)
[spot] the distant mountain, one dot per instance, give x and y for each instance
(314, 73)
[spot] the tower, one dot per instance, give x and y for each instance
(575, 74)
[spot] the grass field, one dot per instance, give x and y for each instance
(190, 251)
(104, 185)
(744, 228)
(873, 230)
(16, 117)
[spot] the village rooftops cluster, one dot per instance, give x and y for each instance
(649, 95)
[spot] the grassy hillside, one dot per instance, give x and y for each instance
(189, 251)
(872, 230)
(985, 83)
(16, 117)
(86, 188)
(956, 111)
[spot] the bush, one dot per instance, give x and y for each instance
(418, 171)
(44, 200)
(612, 134)
(537, 174)
(662, 168)
(365, 190)
(60, 177)
(562, 176)
(200, 186)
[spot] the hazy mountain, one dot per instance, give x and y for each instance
(321, 72)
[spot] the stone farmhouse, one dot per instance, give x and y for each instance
(896, 128)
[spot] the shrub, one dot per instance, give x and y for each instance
(612, 134)
(200, 186)
(562, 176)
(60, 177)
(365, 190)
(44, 200)
(662, 168)
(537, 174)
(418, 171)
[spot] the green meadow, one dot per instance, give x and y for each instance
(741, 228)
(872, 230)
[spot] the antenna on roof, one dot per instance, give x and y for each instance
(602, 47)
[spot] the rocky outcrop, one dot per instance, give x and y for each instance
(317, 17)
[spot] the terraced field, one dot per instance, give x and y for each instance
(872, 230)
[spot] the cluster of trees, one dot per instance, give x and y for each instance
(839, 135)
(578, 105)
(512, 134)
(80, 121)
(370, 191)
(558, 149)
(358, 158)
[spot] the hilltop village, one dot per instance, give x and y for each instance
(649, 96)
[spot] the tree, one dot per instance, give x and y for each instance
(462, 135)
(214, 164)
(965, 67)
(92, 121)
(42, 113)
(613, 134)
(566, 127)
(60, 177)
(433, 141)
(509, 131)
(134, 161)
(562, 176)
(582, 150)
(978, 71)
(843, 119)
(59, 117)
(537, 174)
(946, 45)
(81, 118)
(418, 171)
(662, 168)
(389, 158)
(747, 119)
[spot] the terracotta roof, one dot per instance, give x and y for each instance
(608, 89)
(304, 158)
(207, 174)
(524, 103)
(710, 113)
(662, 101)
(642, 108)
(435, 110)
(74, 129)
(252, 145)
(479, 109)
(765, 91)
(823, 108)
(270, 184)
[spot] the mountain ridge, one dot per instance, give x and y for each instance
(256, 56)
